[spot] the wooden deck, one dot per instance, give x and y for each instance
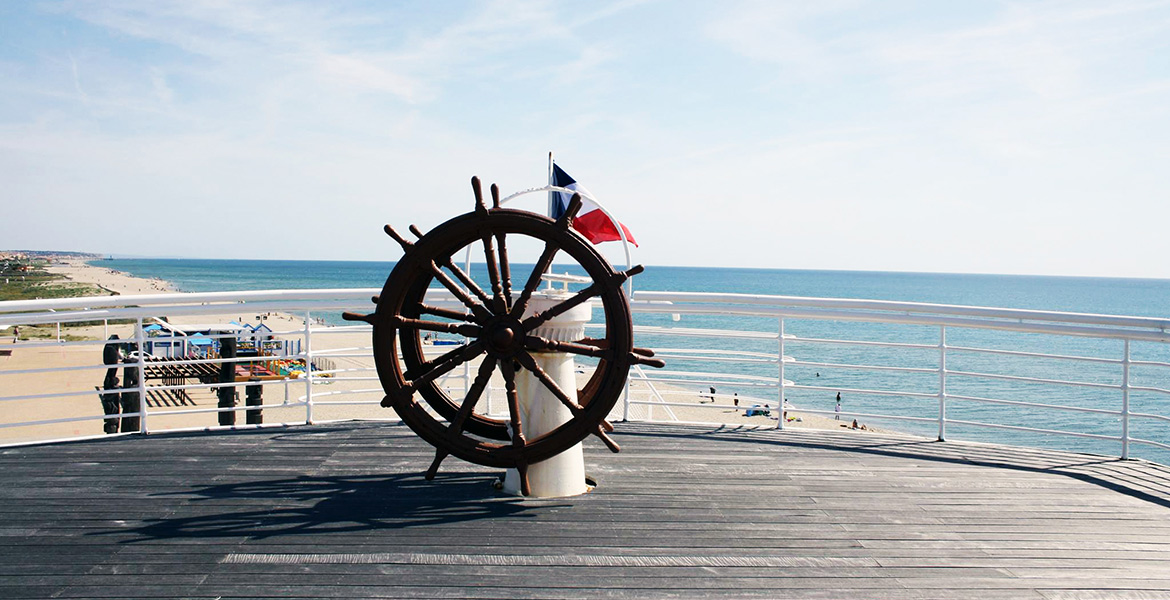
(342, 511)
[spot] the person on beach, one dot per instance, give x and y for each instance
(735, 398)
(112, 397)
(15, 333)
(838, 409)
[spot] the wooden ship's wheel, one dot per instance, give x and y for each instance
(498, 335)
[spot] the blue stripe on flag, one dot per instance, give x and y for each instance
(561, 179)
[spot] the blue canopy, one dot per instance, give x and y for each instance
(200, 340)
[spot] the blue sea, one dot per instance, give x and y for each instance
(1117, 296)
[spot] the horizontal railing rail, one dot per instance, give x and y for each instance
(187, 298)
(933, 310)
(909, 313)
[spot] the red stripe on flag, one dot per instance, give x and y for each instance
(597, 228)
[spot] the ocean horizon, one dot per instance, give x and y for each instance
(97, 259)
(1068, 293)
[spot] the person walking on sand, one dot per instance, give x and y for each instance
(838, 409)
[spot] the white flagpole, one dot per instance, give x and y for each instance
(551, 195)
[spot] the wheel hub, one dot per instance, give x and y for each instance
(504, 336)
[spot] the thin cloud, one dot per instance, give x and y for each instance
(77, 79)
(365, 74)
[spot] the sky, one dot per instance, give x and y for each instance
(983, 137)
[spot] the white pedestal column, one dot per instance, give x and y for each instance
(541, 411)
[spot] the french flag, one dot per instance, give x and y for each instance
(590, 221)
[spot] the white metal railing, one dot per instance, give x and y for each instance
(45, 407)
(757, 366)
(1123, 329)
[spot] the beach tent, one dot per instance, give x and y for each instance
(200, 340)
(200, 344)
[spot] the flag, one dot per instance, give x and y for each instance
(590, 221)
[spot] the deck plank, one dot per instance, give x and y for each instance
(343, 511)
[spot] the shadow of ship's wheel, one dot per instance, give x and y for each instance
(497, 335)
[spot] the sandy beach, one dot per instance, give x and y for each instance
(348, 351)
(115, 282)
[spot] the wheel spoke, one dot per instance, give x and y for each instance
(538, 343)
(466, 280)
(522, 470)
(481, 381)
(439, 369)
(406, 244)
(509, 373)
(604, 343)
(638, 359)
(576, 299)
(446, 313)
(525, 359)
(518, 441)
(440, 454)
(489, 252)
(479, 310)
(419, 369)
(493, 267)
(505, 266)
(546, 258)
(608, 441)
(465, 329)
(505, 269)
(566, 220)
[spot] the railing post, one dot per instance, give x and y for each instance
(942, 383)
(1125, 403)
(626, 401)
(254, 396)
(227, 392)
(141, 342)
(649, 410)
(308, 369)
(780, 362)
